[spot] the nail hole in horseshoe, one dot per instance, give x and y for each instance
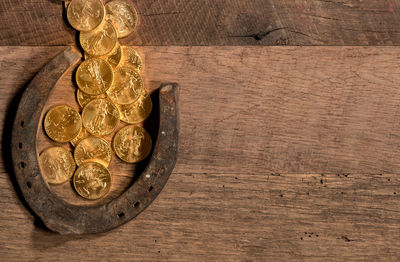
(22, 123)
(29, 184)
(20, 145)
(137, 203)
(121, 214)
(22, 164)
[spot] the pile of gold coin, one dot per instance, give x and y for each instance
(110, 90)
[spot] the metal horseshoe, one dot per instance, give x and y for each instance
(57, 214)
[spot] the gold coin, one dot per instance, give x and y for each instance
(127, 86)
(138, 111)
(114, 58)
(92, 180)
(100, 117)
(132, 144)
(93, 149)
(85, 15)
(57, 165)
(62, 123)
(130, 57)
(100, 41)
(94, 76)
(123, 15)
(83, 99)
(82, 135)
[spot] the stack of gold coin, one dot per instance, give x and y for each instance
(110, 90)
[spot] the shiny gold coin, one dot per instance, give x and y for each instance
(138, 111)
(92, 180)
(123, 15)
(132, 144)
(100, 117)
(94, 76)
(82, 135)
(83, 99)
(100, 41)
(85, 15)
(127, 86)
(114, 58)
(130, 57)
(62, 123)
(57, 165)
(93, 149)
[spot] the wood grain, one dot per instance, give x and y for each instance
(231, 217)
(282, 157)
(219, 22)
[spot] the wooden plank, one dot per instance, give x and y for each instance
(253, 121)
(219, 22)
(235, 217)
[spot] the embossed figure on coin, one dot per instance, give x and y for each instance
(99, 42)
(100, 117)
(127, 87)
(94, 76)
(123, 15)
(131, 58)
(57, 165)
(62, 123)
(92, 180)
(85, 15)
(132, 144)
(138, 111)
(93, 149)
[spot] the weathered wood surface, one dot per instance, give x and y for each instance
(219, 22)
(282, 157)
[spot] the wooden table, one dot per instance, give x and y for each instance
(290, 131)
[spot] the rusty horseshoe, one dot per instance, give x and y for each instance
(57, 214)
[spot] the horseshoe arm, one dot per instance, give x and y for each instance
(65, 218)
